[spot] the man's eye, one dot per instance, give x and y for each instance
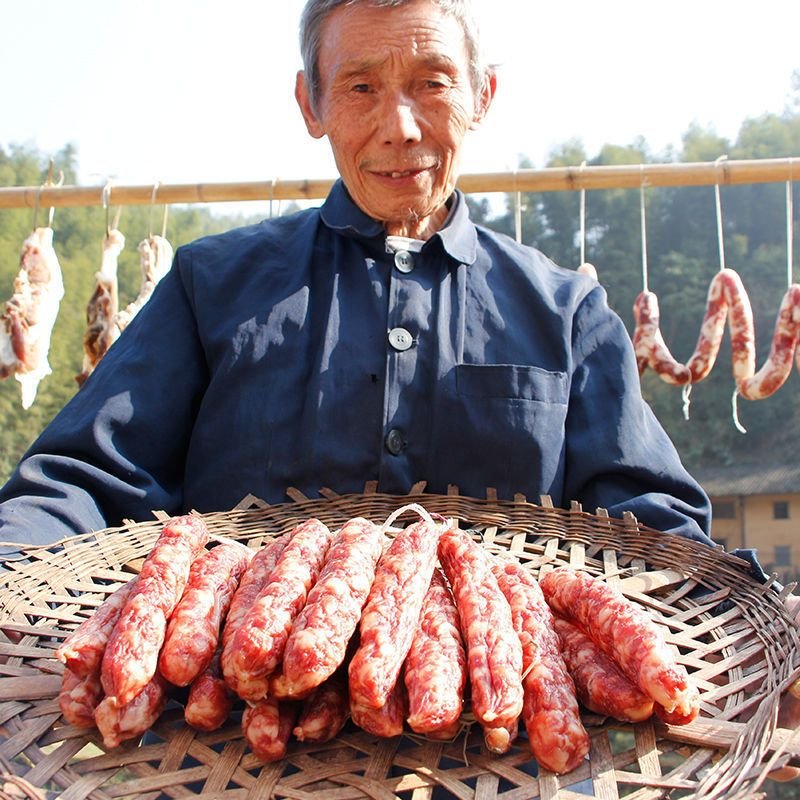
(361, 87)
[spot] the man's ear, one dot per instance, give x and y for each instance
(313, 124)
(484, 100)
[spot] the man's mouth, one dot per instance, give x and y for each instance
(406, 173)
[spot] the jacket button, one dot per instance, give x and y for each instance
(404, 261)
(395, 441)
(400, 339)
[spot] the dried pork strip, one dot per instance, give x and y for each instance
(627, 634)
(257, 647)
(494, 652)
(253, 580)
(601, 685)
(131, 655)
(267, 727)
(101, 310)
(193, 629)
(119, 722)
(436, 664)
(209, 703)
(82, 650)
(556, 735)
(155, 258)
(79, 697)
(391, 613)
(320, 634)
(26, 324)
(386, 721)
(324, 712)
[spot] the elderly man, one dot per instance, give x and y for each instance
(380, 337)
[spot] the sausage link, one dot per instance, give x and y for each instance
(120, 722)
(325, 711)
(82, 651)
(551, 712)
(79, 697)
(776, 368)
(391, 614)
(320, 634)
(601, 685)
(209, 703)
(649, 345)
(267, 727)
(253, 580)
(194, 627)
(626, 633)
(131, 655)
(436, 664)
(494, 652)
(386, 721)
(258, 645)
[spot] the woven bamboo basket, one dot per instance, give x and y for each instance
(733, 635)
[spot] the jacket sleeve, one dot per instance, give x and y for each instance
(117, 450)
(618, 455)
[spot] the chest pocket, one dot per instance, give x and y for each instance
(511, 382)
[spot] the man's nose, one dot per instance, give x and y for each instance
(398, 121)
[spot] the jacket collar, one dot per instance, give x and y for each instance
(458, 236)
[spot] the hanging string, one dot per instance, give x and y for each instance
(583, 220)
(720, 236)
(789, 228)
(643, 216)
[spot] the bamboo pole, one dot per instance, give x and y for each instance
(628, 176)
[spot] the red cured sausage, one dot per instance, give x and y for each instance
(251, 583)
(257, 647)
(494, 652)
(386, 721)
(120, 722)
(325, 711)
(626, 633)
(209, 703)
(601, 685)
(267, 727)
(391, 614)
(649, 345)
(320, 634)
(436, 664)
(131, 655)
(82, 650)
(79, 697)
(551, 713)
(499, 740)
(776, 368)
(193, 629)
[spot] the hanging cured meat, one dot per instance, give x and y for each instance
(29, 316)
(155, 258)
(727, 300)
(103, 306)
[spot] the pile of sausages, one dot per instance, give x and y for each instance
(395, 632)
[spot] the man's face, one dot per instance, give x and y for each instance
(395, 102)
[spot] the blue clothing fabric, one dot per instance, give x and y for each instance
(300, 353)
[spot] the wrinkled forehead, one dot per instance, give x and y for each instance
(358, 36)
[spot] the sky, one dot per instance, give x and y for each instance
(191, 91)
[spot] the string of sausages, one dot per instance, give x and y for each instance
(396, 632)
(727, 301)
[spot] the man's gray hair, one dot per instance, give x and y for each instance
(317, 11)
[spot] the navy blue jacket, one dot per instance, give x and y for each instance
(300, 353)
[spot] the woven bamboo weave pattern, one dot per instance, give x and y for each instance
(732, 634)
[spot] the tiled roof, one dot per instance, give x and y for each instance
(749, 479)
